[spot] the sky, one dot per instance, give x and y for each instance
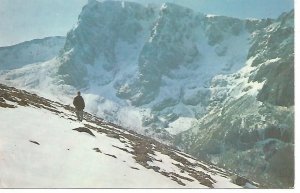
(23, 20)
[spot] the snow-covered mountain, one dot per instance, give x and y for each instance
(154, 64)
(222, 86)
(48, 148)
(34, 51)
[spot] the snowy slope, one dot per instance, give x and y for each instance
(43, 146)
(34, 51)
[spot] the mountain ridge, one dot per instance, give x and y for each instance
(33, 51)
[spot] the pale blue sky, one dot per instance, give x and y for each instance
(22, 20)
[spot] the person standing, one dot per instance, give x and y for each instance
(79, 104)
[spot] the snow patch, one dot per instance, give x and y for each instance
(180, 125)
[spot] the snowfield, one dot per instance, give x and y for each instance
(39, 148)
(65, 158)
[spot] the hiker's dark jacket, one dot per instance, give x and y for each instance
(78, 102)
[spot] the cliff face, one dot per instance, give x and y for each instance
(160, 59)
